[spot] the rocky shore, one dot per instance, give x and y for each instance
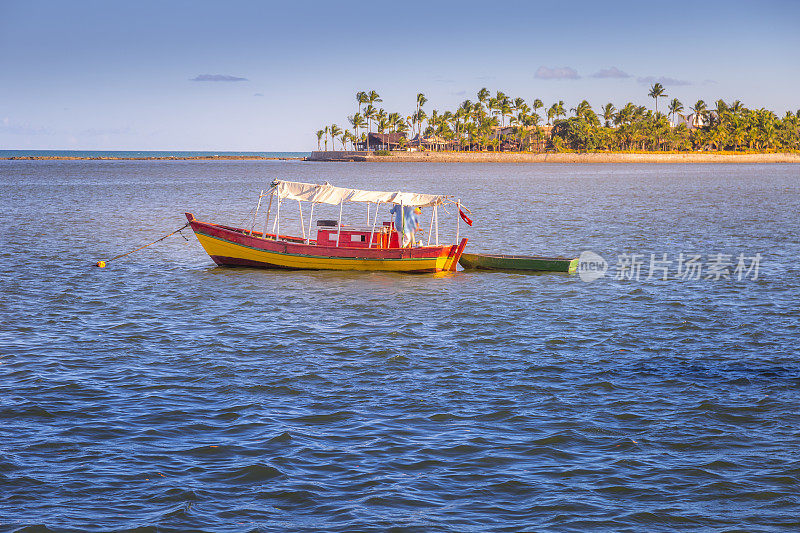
(516, 157)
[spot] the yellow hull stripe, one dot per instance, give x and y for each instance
(222, 248)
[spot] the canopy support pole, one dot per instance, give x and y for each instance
(302, 223)
(436, 213)
(276, 226)
(458, 219)
(260, 195)
(269, 208)
(430, 230)
(402, 224)
(310, 218)
(339, 227)
(372, 233)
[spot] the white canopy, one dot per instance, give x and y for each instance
(328, 194)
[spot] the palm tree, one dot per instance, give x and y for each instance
(327, 130)
(383, 123)
(335, 131)
(357, 121)
(625, 115)
(373, 97)
(491, 105)
(591, 117)
(532, 120)
(464, 111)
(560, 111)
(700, 112)
(361, 98)
(556, 110)
(418, 118)
(344, 138)
(505, 109)
(400, 127)
(657, 91)
(369, 113)
(433, 121)
(501, 105)
(420, 102)
(721, 108)
(537, 104)
(491, 125)
(675, 107)
(582, 109)
(320, 135)
(483, 94)
(738, 132)
(608, 113)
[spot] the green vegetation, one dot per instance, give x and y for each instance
(502, 123)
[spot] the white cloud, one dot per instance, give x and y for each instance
(217, 77)
(611, 72)
(563, 73)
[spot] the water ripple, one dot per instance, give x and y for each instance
(165, 394)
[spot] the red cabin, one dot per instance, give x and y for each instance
(358, 236)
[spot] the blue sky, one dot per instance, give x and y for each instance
(247, 75)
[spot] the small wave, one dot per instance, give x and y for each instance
(253, 474)
(25, 411)
(338, 416)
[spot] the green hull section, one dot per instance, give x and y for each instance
(518, 262)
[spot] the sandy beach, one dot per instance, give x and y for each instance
(516, 157)
(169, 158)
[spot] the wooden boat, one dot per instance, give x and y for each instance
(518, 262)
(336, 247)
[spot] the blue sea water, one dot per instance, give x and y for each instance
(140, 153)
(163, 393)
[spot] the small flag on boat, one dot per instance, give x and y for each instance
(465, 217)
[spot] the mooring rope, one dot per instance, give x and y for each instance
(101, 264)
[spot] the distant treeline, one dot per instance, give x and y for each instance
(502, 123)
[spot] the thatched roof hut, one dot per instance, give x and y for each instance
(383, 141)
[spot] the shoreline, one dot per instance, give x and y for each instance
(517, 157)
(151, 158)
(462, 157)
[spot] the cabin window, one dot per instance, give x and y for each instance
(357, 238)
